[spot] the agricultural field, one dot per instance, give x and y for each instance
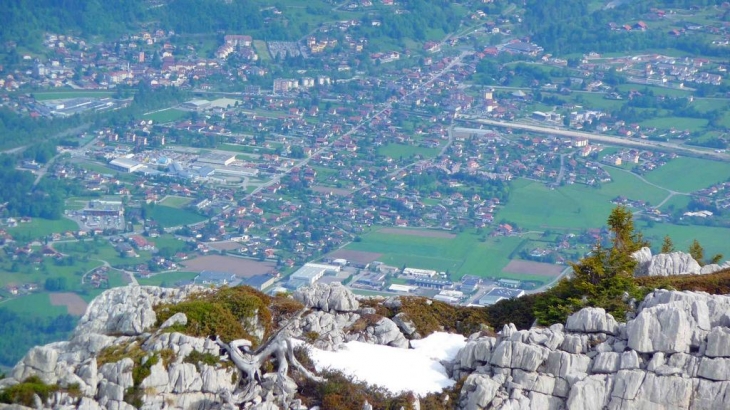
(713, 239)
(34, 305)
(463, 254)
(678, 123)
(534, 206)
(397, 151)
(39, 228)
(689, 174)
(168, 216)
(168, 279)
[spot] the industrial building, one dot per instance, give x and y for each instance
(497, 294)
(260, 282)
(312, 272)
(217, 159)
(214, 278)
(196, 105)
(104, 208)
(125, 165)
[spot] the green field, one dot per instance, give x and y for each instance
(175, 201)
(679, 123)
(397, 151)
(36, 304)
(40, 228)
(167, 279)
(532, 205)
(167, 115)
(168, 216)
(689, 174)
(713, 239)
(261, 50)
(462, 255)
(60, 95)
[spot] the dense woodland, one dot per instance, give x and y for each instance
(20, 331)
(568, 27)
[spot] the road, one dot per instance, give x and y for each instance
(655, 145)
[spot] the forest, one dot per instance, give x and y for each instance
(19, 332)
(568, 27)
(19, 197)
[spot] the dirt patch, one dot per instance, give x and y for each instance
(330, 190)
(424, 233)
(241, 267)
(533, 268)
(224, 246)
(359, 257)
(73, 302)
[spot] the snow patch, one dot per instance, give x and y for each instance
(398, 370)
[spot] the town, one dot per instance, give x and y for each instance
(408, 170)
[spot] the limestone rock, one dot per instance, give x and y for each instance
(592, 320)
(671, 264)
(384, 332)
(718, 342)
(176, 319)
(328, 298)
(643, 259)
(405, 325)
(591, 393)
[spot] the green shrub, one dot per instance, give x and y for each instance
(431, 316)
(196, 357)
(22, 393)
(227, 313)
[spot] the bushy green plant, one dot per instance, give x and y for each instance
(230, 313)
(196, 357)
(22, 393)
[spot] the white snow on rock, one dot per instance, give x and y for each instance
(399, 370)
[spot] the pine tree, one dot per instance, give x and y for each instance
(667, 245)
(697, 252)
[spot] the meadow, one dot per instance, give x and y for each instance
(463, 255)
(689, 174)
(397, 151)
(39, 228)
(167, 279)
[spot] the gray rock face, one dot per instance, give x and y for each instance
(592, 320)
(384, 332)
(671, 264)
(328, 298)
(674, 355)
(643, 259)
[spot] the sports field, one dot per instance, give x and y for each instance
(168, 216)
(175, 201)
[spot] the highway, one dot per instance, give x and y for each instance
(607, 139)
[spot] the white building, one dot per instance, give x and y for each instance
(312, 272)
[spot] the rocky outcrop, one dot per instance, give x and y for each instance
(674, 355)
(671, 264)
(665, 264)
(328, 298)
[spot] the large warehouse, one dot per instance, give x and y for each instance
(125, 164)
(217, 159)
